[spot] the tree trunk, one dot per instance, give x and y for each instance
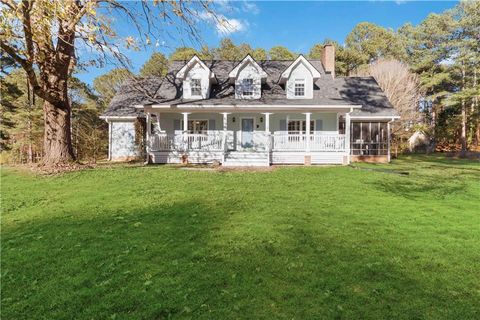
(463, 138)
(57, 136)
(475, 112)
(30, 149)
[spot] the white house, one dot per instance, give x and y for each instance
(253, 113)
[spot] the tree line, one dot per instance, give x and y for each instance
(428, 71)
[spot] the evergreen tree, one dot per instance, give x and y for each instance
(157, 65)
(368, 42)
(281, 53)
(206, 53)
(22, 118)
(259, 54)
(228, 50)
(108, 84)
(89, 132)
(183, 53)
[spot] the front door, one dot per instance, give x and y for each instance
(247, 132)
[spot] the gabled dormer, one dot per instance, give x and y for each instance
(248, 77)
(299, 78)
(197, 79)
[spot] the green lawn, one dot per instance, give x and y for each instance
(294, 243)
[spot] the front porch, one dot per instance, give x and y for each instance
(248, 139)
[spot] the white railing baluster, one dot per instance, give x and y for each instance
(283, 141)
(211, 141)
(279, 141)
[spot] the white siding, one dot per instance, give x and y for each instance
(197, 72)
(122, 140)
(329, 120)
(192, 156)
(248, 72)
(167, 120)
(300, 71)
(283, 157)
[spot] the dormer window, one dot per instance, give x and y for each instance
(196, 87)
(247, 87)
(299, 87)
(247, 78)
(197, 79)
(299, 79)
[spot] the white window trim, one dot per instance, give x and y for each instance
(299, 81)
(301, 125)
(191, 87)
(251, 87)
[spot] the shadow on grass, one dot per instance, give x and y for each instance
(187, 260)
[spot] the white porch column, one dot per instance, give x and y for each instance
(148, 133)
(185, 129)
(268, 133)
(224, 136)
(347, 136)
(307, 131)
(225, 121)
(158, 122)
(267, 122)
(109, 139)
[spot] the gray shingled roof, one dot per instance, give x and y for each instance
(363, 91)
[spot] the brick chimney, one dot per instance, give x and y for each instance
(328, 59)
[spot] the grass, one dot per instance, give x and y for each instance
(294, 243)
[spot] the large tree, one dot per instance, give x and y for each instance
(370, 42)
(228, 50)
(346, 59)
(108, 84)
(89, 132)
(183, 53)
(21, 125)
(464, 48)
(42, 37)
(259, 54)
(157, 65)
(281, 53)
(402, 88)
(428, 56)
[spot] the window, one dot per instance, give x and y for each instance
(247, 87)
(298, 126)
(299, 87)
(197, 126)
(196, 87)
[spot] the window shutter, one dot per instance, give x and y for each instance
(176, 125)
(318, 125)
(283, 125)
(211, 124)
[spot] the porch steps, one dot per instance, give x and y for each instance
(246, 159)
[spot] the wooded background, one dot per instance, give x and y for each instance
(428, 71)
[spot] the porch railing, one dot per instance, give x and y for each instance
(212, 141)
(283, 141)
(164, 142)
(257, 141)
(327, 142)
